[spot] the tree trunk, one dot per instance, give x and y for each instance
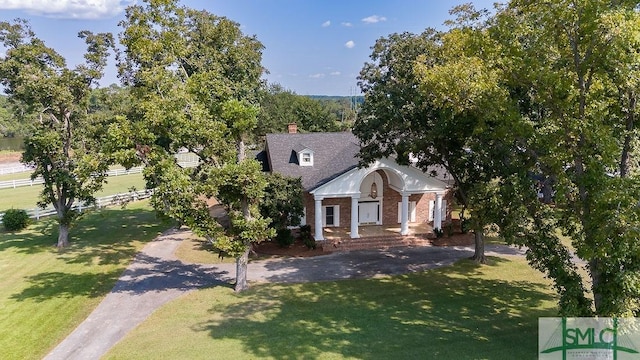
(63, 236)
(595, 283)
(478, 255)
(241, 271)
(627, 148)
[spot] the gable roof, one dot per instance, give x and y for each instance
(333, 155)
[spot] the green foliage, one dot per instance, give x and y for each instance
(449, 229)
(279, 107)
(439, 232)
(437, 96)
(283, 201)
(307, 238)
(65, 146)
(194, 79)
(15, 219)
(573, 71)
(535, 91)
(284, 238)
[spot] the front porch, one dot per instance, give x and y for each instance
(376, 237)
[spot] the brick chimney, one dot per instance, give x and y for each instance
(293, 128)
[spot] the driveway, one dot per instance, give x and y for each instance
(156, 277)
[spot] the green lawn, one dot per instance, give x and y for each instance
(45, 294)
(26, 197)
(464, 311)
(15, 176)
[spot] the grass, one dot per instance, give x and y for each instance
(45, 294)
(199, 251)
(465, 311)
(26, 197)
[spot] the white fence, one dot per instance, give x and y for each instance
(115, 172)
(15, 169)
(118, 199)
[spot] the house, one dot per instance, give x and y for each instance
(338, 194)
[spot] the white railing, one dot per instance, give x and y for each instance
(117, 199)
(15, 169)
(12, 184)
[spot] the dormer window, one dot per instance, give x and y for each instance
(304, 155)
(306, 158)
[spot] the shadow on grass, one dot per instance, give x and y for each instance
(100, 237)
(49, 285)
(105, 237)
(449, 313)
(149, 274)
(38, 237)
(103, 243)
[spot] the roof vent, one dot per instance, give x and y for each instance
(292, 128)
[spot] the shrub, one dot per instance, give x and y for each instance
(449, 228)
(464, 226)
(15, 219)
(439, 232)
(307, 238)
(284, 238)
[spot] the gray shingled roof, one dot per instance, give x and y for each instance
(333, 155)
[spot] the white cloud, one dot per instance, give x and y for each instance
(317, 76)
(335, 73)
(326, 23)
(374, 19)
(347, 24)
(69, 9)
(349, 44)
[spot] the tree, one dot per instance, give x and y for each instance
(279, 107)
(283, 201)
(573, 69)
(428, 95)
(63, 147)
(195, 79)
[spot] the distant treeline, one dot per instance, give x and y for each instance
(278, 107)
(359, 99)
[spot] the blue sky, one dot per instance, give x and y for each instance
(311, 47)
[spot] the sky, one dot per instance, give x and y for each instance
(312, 47)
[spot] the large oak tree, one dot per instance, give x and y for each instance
(195, 79)
(65, 147)
(437, 97)
(573, 68)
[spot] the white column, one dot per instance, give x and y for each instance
(404, 215)
(318, 219)
(437, 214)
(354, 216)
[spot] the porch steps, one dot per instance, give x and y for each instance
(377, 242)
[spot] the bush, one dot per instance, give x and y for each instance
(284, 238)
(449, 228)
(439, 232)
(15, 219)
(307, 238)
(464, 226)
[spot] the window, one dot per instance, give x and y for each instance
(412, 212)
(331, 215)
(306, 158)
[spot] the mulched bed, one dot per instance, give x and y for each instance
(298, 249)
(456, 239)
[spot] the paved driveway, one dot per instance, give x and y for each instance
(156, 277)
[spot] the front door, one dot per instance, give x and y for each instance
(369, 212)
